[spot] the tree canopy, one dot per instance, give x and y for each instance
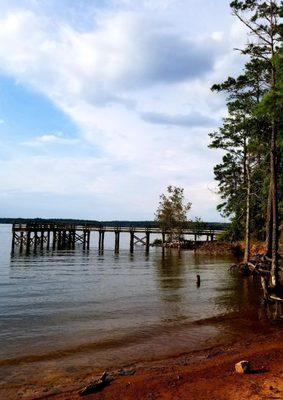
(250, 174)
(172, 210)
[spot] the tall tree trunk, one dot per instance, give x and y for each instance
(248, 197)
(268, 229)
(274, 201)
(273, 182)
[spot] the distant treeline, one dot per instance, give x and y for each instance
(85, 222)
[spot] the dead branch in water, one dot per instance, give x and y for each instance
(260, 265)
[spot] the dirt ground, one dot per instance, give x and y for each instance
(204, 375)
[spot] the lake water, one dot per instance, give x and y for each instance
(65, 312)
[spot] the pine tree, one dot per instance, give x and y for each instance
(239, 137)
(262, 19)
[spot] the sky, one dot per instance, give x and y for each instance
(104, 103)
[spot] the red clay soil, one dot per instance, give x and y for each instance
(227, 248)
(205, 375)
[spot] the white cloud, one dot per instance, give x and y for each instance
(49, 139)
(124, 52)
(129, 64)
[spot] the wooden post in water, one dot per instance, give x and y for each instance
(54, 239)
(28, 243)
(69, 239)
(147, 243)
(35, 241)
(59, 239)
(64, 238)
(101, 241)
(73, 238)
(88, 239)
(41, 239)
(48, 239)
(60, 244)
(21, 242)
(163, 238)
(117, 241)
(132, 236)
(198, 281)
(13, 243)
(84, 239)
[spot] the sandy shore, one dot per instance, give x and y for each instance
(207, 374)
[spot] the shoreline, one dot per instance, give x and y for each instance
(217, 247)
(203, 374)
(207, 374)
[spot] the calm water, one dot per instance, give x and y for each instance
(72, 310)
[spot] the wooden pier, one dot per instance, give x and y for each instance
(27, 238)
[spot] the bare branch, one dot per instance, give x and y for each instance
(251, 28)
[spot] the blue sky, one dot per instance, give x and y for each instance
(105, 103)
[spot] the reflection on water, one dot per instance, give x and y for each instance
(81, 309)
(169, 267)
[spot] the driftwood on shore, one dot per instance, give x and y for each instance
(96, 385)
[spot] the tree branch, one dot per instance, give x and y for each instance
(251, 28)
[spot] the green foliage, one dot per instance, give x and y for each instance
(254, 99)
(172, 210)
(272, 101)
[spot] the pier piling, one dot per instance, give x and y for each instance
(132, 237)
(147, 241)
(117, 241)
(21, 241)
(28, 243)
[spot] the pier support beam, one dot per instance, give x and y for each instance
(59, 239)
(101, 241)
(163, 243)
(147, 242)
(54, 239)
(88, 239)
(35, 238)
(28, 243)
(48, 240)
(64, 239)
(13, 243)
(163, 238)
(41, 240)
(84, 239)
(117, 241)
(132, 237)
(73, 239)
(69, 236)
(21, 242)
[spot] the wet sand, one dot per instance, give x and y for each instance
(207, 374)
